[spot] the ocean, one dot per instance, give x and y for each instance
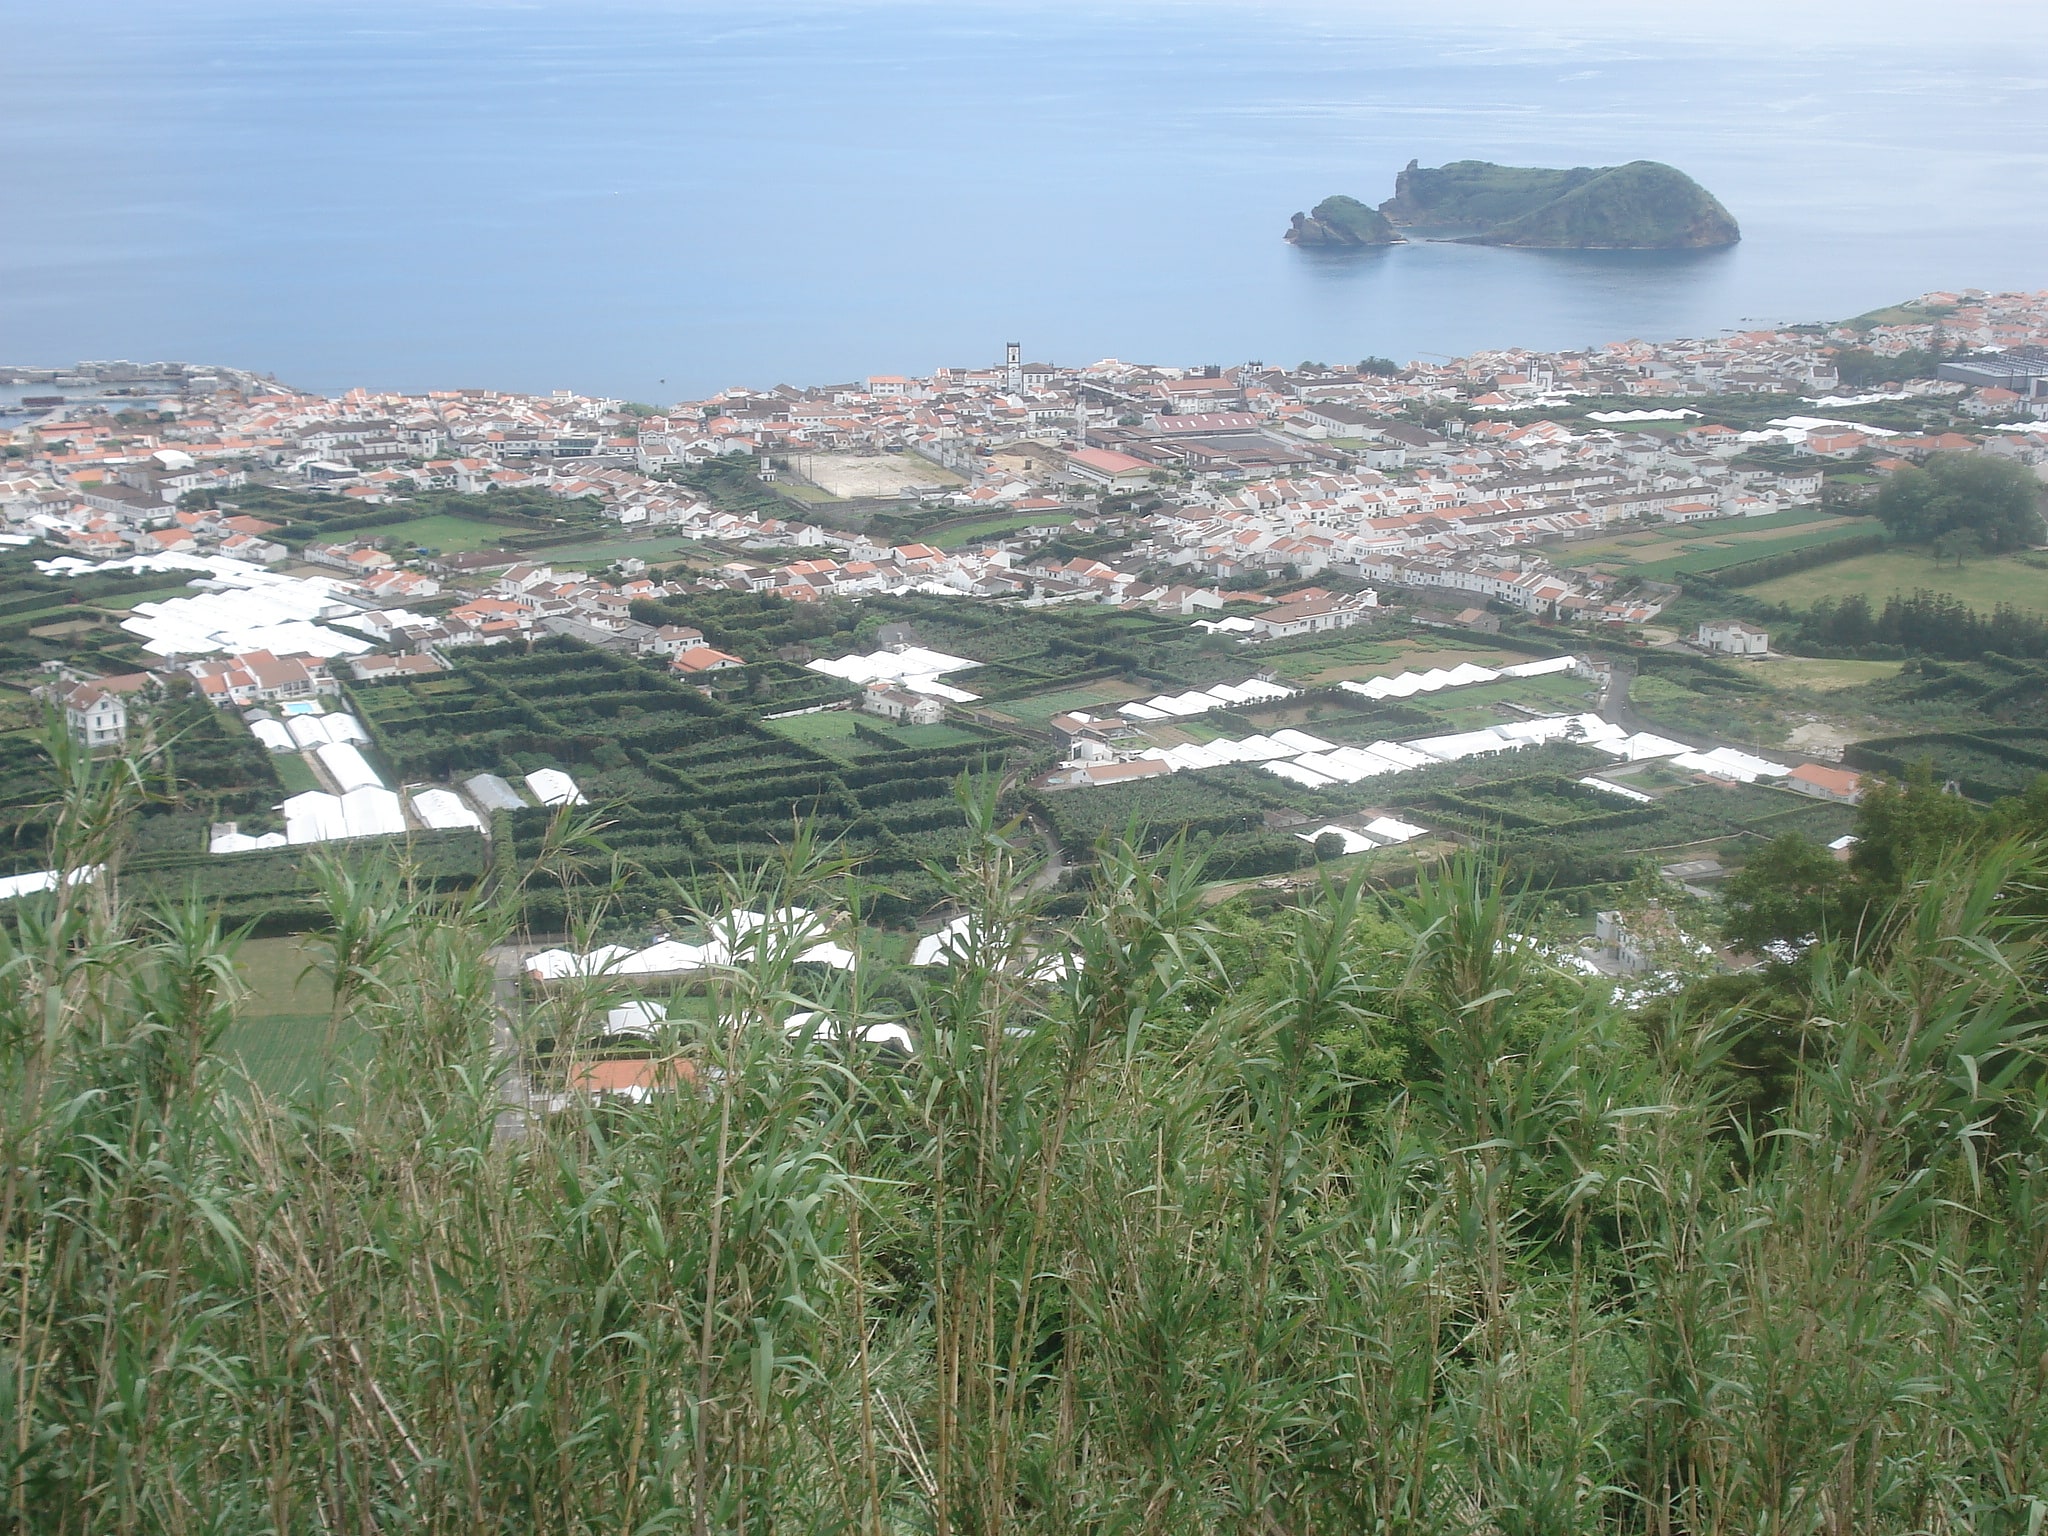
(658, 198)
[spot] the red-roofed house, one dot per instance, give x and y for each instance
(1108, 469)
(702, 658)
(1826, 783)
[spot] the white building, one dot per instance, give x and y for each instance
(1732, 637)
(1625, 951)
(901, 705)
(671, 639)
(1314, 615)
(95, 715)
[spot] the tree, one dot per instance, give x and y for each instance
(1958, 544)
(1847, 622)
(1330, 845)
(1997, 502)
(1857, 367)
(1788, 891)
(1904, 827)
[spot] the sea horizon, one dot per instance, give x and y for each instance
(656, 201)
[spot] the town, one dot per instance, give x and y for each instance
(1326, 591)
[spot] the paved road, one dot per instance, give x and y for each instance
(1048, 876)
(513, 1087)
(1615, 707)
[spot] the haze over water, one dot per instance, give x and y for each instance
(654, 200)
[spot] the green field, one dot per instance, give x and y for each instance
(294, 772)
(931, 736)
(1039, 709)
(127, 601)
(1775, 522)
(828, 730)
(993, 527)
(439, 530)
(1983, 584)
(1695, 548)
(1823, 676)
(833, 731)
(1699, 559)
(1468, 709)
(280, 1039)
(65, 624)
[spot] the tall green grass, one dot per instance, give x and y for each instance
(1124, 1250)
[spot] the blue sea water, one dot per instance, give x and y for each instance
(655, 198)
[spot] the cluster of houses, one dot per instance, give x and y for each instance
(1243, 472)
(98, 709)
(1445, 478)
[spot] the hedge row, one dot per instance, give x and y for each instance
(1750, 573)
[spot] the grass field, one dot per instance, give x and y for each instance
(1822, 676)
(1468, 709)
(993, 527)
(832, 731)
(439, 530)
(930, 737)
(1691, 548)
(294, 773)
(1700, 559)
(1983, 584)
(1039, 709)
(827, 731)
(281, 1038)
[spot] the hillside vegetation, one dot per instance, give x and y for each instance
(1644, 205)
(1356, 1216)
(1467, 196)
(1641, 206)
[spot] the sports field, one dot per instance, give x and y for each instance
(872, 474)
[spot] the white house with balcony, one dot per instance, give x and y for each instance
(95, 715)
(1732, 637)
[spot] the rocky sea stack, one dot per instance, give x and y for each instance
(1342, 221)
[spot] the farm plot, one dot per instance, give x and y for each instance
(281, 1036)
(684, 784)
(1680, 548)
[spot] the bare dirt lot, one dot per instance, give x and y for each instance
(872, 474)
